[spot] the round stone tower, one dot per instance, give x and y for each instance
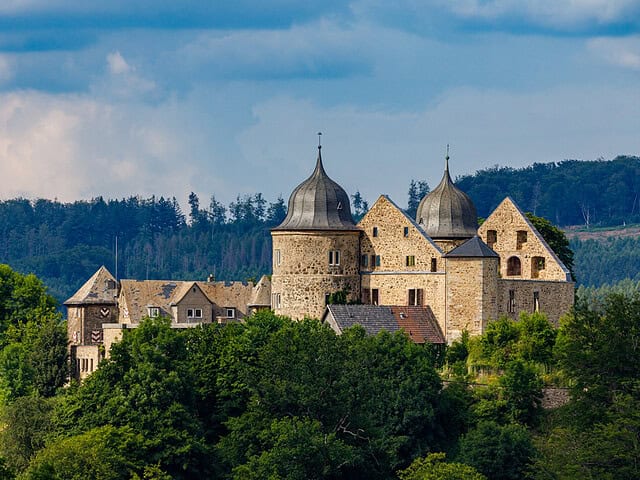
(447, 214)
(316, 248)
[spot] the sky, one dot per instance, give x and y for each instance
(165, 97)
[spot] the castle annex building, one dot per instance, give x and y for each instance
(463, 274)
(433, 276)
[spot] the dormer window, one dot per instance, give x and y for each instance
(231, 312)
(153, 312)
(194, 313)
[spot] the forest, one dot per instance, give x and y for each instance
(276, 399)
(65, 243)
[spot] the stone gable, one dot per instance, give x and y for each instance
(400, 244)
(524, 254)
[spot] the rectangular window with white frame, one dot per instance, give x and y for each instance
(334, 257)
(231, 312)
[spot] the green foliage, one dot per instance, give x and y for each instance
(522, 392)
(600, 352)
(106, 453)
(499, 452)
(417, 191)
(433, 467)
(530, 339)
(27, 424)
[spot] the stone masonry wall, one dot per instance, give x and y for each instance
(555, 298)
(303, 276)
(393, 289)
(86, 319)
(471, 295)
(506, 221)
(391, 243)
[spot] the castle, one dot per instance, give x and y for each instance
(441, 263)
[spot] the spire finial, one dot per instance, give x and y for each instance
(319, 140)
(446, 160)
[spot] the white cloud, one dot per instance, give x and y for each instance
(72, 147)
(622, 52)
(117, 64)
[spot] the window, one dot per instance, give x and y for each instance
(514, 267)
(434, 265)
(91, 364)
(415, 296)
(521, 239)
(375, 231)
(377, 260)
(366, 296)
(231, 312)
(492, 238)
(410, 261)
(511, 308)
(277, 258)
(374, 296)
(537, 264)
(536, 301)
(194, 313)
(153, 312)
(405, 232)
(334, 257)
(276, 300)
(364, 260)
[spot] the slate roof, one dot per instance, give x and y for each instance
(472, 248)
(418, 322)
(140, 294)
(100, 289)
(447, 212)
(318, 203)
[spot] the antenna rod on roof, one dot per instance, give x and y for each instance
(116, 259)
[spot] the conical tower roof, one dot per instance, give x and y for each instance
(318, 203)
(99, 289)
(447, 212)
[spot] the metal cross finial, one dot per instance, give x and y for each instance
(319, 143)
(447, 151)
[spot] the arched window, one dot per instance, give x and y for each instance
(514, 267)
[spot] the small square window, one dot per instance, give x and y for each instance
(334, 257)
(410, 261)
(154, 312)
(231, 312)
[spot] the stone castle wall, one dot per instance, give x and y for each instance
(302, 273)
(472, 291)
(514, 237)
(555, 299)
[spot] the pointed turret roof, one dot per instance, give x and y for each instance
(318, 203)
(447, 212)
(99, 289)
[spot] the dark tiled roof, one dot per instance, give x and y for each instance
(318, 203)
(99, 289)
(418, 322)
(373, 318)
(447, 212)
(472, 248)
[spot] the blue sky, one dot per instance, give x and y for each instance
(162, 97)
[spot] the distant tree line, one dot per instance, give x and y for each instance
(570, 192)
